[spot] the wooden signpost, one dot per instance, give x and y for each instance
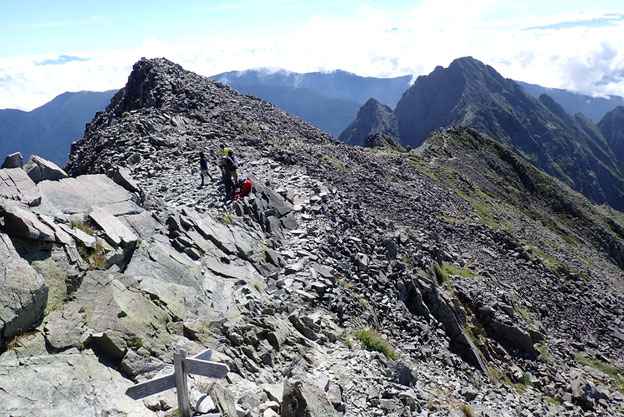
(199, 364)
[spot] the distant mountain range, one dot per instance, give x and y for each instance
(593, 107)
(50, 129)
(328, 100)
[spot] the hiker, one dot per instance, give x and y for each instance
(229, 185)
(228, 170)
(244, 187)
(228, 166)
(203, 167)
(232, 164)
(223, 154)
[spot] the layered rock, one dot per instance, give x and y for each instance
(38, 169)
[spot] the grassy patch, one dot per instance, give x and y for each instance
(338, 164)
(552, 401)
(347, 285)
(465, 408)
(521, 386)
(472, 333)
(226, 219)
(544, 355)
(447, 270)
(424, 168)
(374, 342)
(524, 313)
(441, 275)
(82, 226)
(96, 258)
(616, 374)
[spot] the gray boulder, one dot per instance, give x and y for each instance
(117, 233)
(303, 398)
(16, 185)
(24, 223)
(122, 317)
(40, 169)
(14, 160)
(123, 178)
(65, 327)
(23, 292)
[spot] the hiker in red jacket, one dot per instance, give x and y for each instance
(244, 187)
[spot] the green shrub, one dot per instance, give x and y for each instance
(82, 226)
(441, 275)
(96, 258)
(374, 342)
(465, 408)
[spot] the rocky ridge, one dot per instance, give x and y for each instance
(497, 288)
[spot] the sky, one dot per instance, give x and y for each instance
(50, 47)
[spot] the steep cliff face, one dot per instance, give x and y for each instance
(373, 117)
(351, 280)
(469, 93)
(612, 128)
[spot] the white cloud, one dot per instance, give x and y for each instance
(371, 43)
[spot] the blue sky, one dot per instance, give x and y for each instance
(49, 47)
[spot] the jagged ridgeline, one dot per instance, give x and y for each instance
(455, 278)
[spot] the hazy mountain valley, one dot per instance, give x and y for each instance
(455, 273)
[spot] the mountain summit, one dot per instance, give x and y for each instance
(469, 93)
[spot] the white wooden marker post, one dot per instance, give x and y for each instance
(198, 364)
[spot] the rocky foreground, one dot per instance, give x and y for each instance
(454, 279)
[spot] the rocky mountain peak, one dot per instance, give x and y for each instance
(373, 117)
(149, 85)
(469, 93)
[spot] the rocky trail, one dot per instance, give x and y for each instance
(351, 281)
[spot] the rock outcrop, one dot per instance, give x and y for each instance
(38, 169)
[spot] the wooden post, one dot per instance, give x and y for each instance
(184, 406)
(199, 364)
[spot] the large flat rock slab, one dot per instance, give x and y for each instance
(23, 292)
(158, 260)
(15, 184)
(124, 317)
(72, 383)
(81, 194)
(117, 233)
